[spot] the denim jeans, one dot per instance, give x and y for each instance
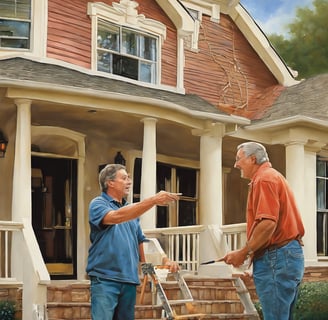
(277, 276)
(111, 300)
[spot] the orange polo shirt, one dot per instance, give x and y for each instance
(270, 197)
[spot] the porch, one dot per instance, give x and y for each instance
(189, 246)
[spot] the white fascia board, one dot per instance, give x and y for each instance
(80, 92)
(287, 122)
(179, 16)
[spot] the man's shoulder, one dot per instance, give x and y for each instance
(268, 174)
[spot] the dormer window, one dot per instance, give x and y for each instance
(126, 52)
(126, 43)
(15, 24)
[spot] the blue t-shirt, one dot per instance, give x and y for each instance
(114, 250)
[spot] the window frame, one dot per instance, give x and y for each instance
(122, 53)
(38, 32)
(27, 21)
(170, 183)
(123, 15)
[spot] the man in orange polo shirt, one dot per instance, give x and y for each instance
(274, 234)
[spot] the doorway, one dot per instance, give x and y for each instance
(54, 213)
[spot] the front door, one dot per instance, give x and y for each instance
(54, 203)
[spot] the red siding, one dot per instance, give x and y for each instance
(69, 34)
(226, 71)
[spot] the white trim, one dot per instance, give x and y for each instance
(262, 46)
(287, 122)
(125, 14)
(38, 33)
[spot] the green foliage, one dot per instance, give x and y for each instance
(306, 49)
(258, 308)
(7, 310)
(311, 303)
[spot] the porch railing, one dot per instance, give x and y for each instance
(181, 244)
(6, 230)
(235, 235)
(26, 266)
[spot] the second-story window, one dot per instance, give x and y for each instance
(126, 52)
(15, 24)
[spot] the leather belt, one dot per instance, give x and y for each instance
(275, 246)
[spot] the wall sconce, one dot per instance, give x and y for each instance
(119, 159)
(3, 145)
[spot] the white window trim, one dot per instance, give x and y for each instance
(38, 36)
(124, 14)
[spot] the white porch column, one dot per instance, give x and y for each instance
(25, 250)
(310, 205)
(22, 200)
(295, 169)
(301, 176)
(148, 171)
(210, 182)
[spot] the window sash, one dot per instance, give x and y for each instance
(15, 24)
(15, 9)
(125, 52)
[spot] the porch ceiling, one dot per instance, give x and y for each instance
(124, 130)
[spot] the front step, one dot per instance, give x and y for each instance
(216, 298)
(154, 312)
(68, 301)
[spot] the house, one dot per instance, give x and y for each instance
(170, 88)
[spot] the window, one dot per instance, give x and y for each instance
(174, 179)
(322, 207)
(15, 24)
(126, 52)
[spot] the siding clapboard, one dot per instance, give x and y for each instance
(69, 34)
(226, 70)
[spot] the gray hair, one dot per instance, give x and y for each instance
(108, 173)
(256, 149)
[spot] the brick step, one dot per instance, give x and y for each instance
(210, 310)
(68, 310)
(215, 298)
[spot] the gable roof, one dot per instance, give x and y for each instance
(252, 32)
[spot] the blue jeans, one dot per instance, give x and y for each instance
(111, 300)
(277, 276)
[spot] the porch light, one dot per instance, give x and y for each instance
(119, 159)
(3, 145)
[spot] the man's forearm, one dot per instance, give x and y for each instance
(129, 212)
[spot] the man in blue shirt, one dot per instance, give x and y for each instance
(117, 245)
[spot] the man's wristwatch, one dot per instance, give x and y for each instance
(250, 251)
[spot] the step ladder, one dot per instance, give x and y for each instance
(148, 269)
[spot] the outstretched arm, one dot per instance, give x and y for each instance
(135, 210)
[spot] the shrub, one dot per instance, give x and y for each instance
(311, 303)
(7, 310)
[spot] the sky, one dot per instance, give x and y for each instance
(273, 15)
